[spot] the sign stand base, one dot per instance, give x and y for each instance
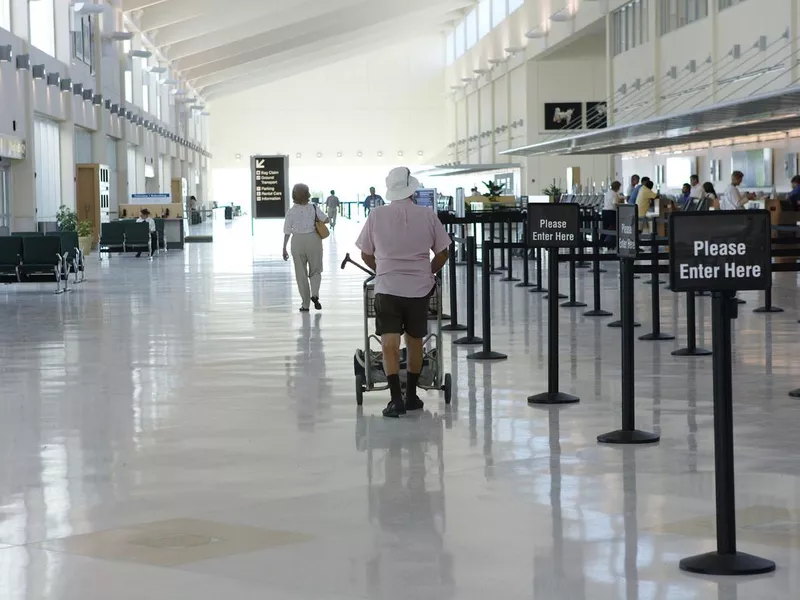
(618, 324)
(622, 436)
(692, 352)
(487, 356)
(598, 313)
(795, 393)
(656, 337)
(553, 398)
(738, 563)
(768, 309)
(468, 341)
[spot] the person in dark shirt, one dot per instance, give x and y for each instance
(686, 195)
(794, 195)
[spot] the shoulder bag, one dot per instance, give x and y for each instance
(322, 229)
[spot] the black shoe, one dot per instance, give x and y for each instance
(414, 404)
(303, 309)
(317, 305)
(394, 410)
(138, 255)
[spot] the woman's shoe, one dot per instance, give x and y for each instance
(303, 309)
(317, 305)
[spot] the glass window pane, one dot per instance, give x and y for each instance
(498, 11)
(42, 26)
(146, 96)
(5, 14)
(461, 39)
(472, 28)
(514, 5)
(484, 18)
(128, 86)
(450, 48)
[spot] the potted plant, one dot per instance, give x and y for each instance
(495, 191)
(66, 219)
(553, 191)
(85, 231)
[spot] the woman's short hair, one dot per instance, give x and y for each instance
(301, 193)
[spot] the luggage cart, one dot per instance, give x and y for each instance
(368, 363)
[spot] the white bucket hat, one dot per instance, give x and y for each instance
(400, 184)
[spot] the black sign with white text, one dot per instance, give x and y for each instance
(720, 251)
(553, 225)
(627, 230)
(270, 191)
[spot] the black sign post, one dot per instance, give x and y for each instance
(627, 248)
(722, 252)
(270, 186)
(553, 226)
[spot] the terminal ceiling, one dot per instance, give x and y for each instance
(226, 46)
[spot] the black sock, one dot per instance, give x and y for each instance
(411, 384)
(394, 388)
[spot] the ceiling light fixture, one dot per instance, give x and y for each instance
(66, 84)
(6, 52)
(512, 50)
(118, 36)
(88, 8)
(563, 15)
(77, 89)
(157, 70)
(140, 54)
(24, 62)
(39, 72)
(496, 61)
(537, 33)
(53, 79)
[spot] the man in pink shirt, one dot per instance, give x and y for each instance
(396, 243)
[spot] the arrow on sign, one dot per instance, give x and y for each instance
(260, 163)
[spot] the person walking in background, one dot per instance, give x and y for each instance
(396, 242)
(332, 207)
(300, 226)
(372, 201)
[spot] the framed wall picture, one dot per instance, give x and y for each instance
(596, 115)
(559, 116)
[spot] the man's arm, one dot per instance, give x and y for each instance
(439, 261)
(369, 260)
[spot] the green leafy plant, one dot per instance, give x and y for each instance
(495, 190)
(85, 228)
(66, 219)
(553, 191)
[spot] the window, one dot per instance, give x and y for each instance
(5, 15)
(129, 86)
(47, 162)
(674, 14)
(41, 19)
(484, 18)
(158, 106)
(83, 40)
(472, 28)
(514, 5)
(449, 48)
(132, 181)
(723, 4)
(145, 93)
(461, 31)
(629, 26)
(499, 13)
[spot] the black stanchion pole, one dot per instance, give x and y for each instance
(573, 301)
(628, 434)
(691, 331)
(486, 317)
(726, 560)
(552, 395)
(655, 303)
(538, 288)
(510, 277)
(490, 250)
(596, 227)
(503, 266)
(768, 308)
(597, 311)
(526, 283)
(470, 339)
(454, 324)
(581, 264)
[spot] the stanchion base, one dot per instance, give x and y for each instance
(527, 285)
(740, 301)
(486, 356)
(599, 270)
(650, 282)
(598, 313)
(623, 436)
(795, 393)
(692, 352)
(657, 337)
(715, 563)
(618, 324)
(768, 309)
(553, 398)
(454, 327)
(575, 304)
(468, 341)
(495, 272)
(510, 279)
(501, 268)
(540, 290)
(560, 297)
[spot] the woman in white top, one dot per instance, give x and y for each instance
(300, 226)
(613, 197)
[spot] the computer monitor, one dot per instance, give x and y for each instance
(426, 197)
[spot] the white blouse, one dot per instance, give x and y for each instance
(300, 219)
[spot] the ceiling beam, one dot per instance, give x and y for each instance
(132, 5)
(178, 11)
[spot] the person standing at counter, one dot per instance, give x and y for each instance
(733, 199)
(300, 226)
(634, 184)
(613, 197)
(696, 189)
(794, 195)
(144, 217)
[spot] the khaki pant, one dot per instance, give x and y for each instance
(307, 256)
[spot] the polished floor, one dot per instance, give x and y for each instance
(176, 429)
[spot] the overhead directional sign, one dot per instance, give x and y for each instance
(720, 251)
(553, 225)
(270, 186)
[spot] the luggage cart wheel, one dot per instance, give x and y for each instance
(448, 388)
(360, 389)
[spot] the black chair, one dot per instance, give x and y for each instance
(137, 237)
(74, 257)
(10, 258)
(42, 258)
(112, 238)
(26, 233)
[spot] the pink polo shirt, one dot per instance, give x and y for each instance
(401, 237)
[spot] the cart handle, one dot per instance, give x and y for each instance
(347, 259)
